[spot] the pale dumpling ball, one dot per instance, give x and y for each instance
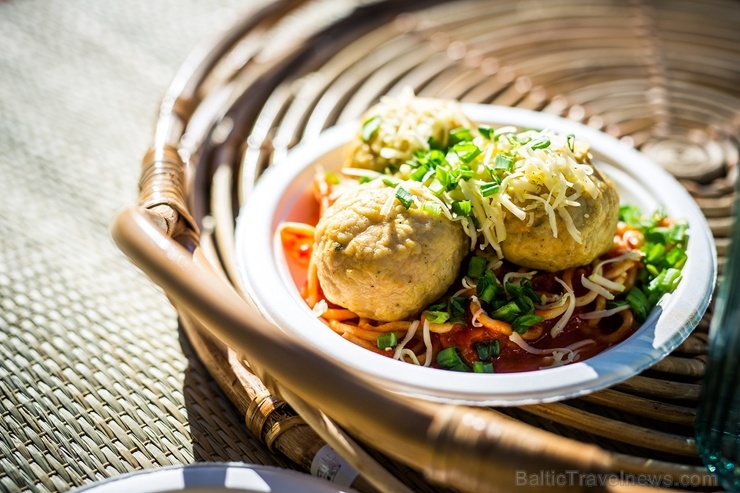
(395, 128)
(385, 266)
(534, 246)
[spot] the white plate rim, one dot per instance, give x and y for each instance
(667, 326)
(213, 476)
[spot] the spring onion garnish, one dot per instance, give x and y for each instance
(432, 208)
(488, 349)
(477, 266)
(387, 341)
(488, 189)
(541, 143)
(462, 207)
(457, 307)
(460, 134)
(404, 196)
(466, 152)
(488, 288)
(485, 131)
(450, 359)
(664, 256)
(523, 323)
(437, 317)
(504, 163)
(571, 141)
(370, 128)
(483, 367)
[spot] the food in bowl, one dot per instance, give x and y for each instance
(478, 249)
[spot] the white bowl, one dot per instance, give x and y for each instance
(285, 186)
(214, 477)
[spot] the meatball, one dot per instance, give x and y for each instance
(385, 266)
(395, 128)
(533, 245)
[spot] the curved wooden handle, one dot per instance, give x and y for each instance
(472, 449)
(162, 190)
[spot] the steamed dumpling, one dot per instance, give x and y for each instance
(385, 266)
(533, 245)
(395, 128)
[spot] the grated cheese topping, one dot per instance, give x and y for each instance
(496, 173)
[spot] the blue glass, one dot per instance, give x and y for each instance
(718, 414)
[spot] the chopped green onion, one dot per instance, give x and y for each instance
(457, 307)
(639, 303)
(523, 323)
(432, 208)
(508, 313)
(528, 290)
(419, 173)
(443, 176)
(485, 131)
(571, 140)
(654, 252)
(466, 151)
(658, 235)
(365, 179)
(488, 288)
(436, 187)
(524, 304)
(462, 207)
(436, 317)
(542, 142)
(434, 144)
(391, 181)
(465, 172)
(477, 266)
(630, 214)
(387, 340)
(488, 189)
(404, 196)
(488, 349)
(461, 134)
(370, 128)
(665, 282)
(676, 257)
(504, 163)
(678, 233)
(450, 359)
(482, 367)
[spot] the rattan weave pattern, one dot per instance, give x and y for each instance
(95, 378)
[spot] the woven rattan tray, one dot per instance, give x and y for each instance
(661, 76)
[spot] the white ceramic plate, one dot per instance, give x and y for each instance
(214, 478)
(285, 186)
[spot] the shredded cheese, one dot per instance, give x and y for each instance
(320, 308)
(560, 356)
(524, 171)
(558, 327)
(603, 313)
(409, 335)
(427, 344)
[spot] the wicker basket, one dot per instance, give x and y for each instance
(659, 75)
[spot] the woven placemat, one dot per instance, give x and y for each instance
(96, 378)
